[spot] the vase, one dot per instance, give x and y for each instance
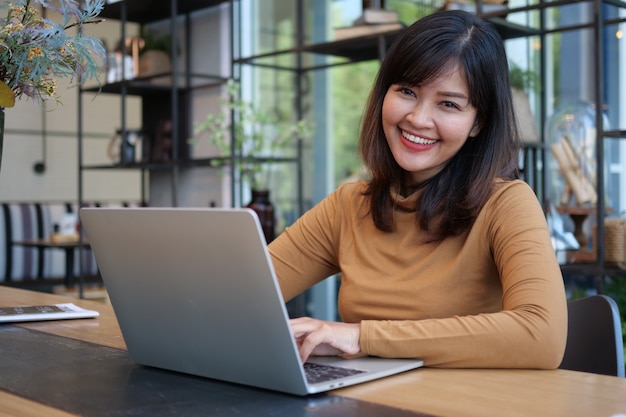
(154, 62)
(263, 207)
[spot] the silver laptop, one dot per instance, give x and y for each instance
(194, 291)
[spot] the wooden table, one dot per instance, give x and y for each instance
(426, 391)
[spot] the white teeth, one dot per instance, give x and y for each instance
(417, 139)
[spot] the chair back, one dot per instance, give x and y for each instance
(594, 339)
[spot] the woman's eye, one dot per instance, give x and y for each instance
(406, 91)
(450, 104)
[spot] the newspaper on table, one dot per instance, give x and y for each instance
(45, 312)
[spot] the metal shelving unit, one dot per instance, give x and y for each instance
(598, 268)
(158, 99)
(537, 154)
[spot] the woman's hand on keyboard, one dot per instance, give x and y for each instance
(325, 338)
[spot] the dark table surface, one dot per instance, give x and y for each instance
(92, 380)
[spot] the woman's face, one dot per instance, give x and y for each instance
(426, 126)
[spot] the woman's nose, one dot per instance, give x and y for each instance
(420, 115)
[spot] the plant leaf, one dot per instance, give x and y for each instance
(7, 96)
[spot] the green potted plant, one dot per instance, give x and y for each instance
(252, 139)
(258, 135)
(154, 53)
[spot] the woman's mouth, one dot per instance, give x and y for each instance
(416, 139)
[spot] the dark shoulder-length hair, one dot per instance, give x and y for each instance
(451, 200)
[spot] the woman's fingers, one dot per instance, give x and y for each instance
(324, 338)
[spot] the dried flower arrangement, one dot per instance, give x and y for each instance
(35, 51)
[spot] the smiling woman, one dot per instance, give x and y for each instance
(444, 254)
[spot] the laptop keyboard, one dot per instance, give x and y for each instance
(320, 373)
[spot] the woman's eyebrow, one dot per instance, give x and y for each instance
(453, 94)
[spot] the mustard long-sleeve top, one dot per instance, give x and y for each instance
(493, 297)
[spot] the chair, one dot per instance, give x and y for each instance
(594, 339)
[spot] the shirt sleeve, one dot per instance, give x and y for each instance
(305, 253)
(529, 332)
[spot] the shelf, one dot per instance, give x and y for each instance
(161, 166)
(362, 48)
(369, 47)
(145, 11)
(615, 134)
(616, 3)
(216, 162)
(159, 83)
(591, 269)
(510, 30)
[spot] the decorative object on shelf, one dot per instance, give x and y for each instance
(134, 44)
(263, 207)
(154, 62)
(258, 136)
(67, 230)
(373, 21)
(523, 81)
(119, 68)
(126, 147)
(578, 215)
(376, 15)
(488, 6)
(154, 54)
(571, 135)
(124, 66)
(36, 51)
(614, 242)
(161, 147)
